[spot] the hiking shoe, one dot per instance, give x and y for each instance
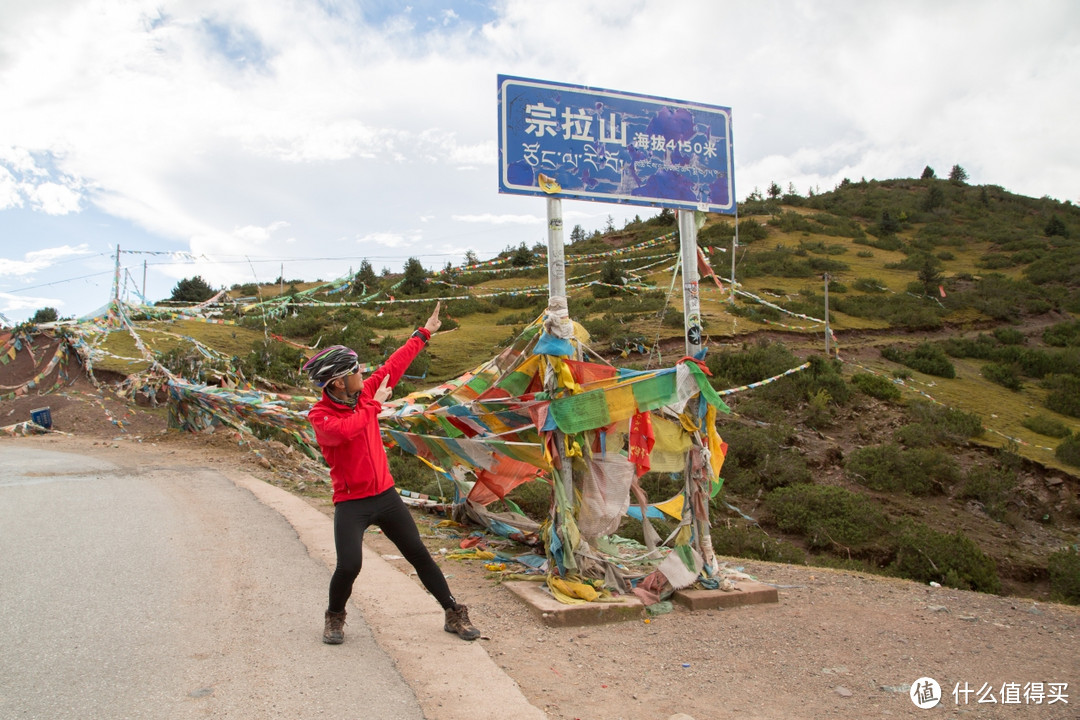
(334, 630)
(457, 621)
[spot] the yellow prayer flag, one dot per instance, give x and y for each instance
(672, 507)
(621, 404)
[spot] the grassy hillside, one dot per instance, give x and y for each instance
(940, 441)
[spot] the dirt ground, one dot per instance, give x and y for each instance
(838, 644)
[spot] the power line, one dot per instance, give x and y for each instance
(57, 282)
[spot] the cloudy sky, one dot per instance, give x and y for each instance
(236, 137)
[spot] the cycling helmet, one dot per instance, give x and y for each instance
(330, 364)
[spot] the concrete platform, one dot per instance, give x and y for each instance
(747, 592)
(553, 613)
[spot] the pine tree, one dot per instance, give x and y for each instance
(1056, 227)
(928, 173)
(192, 290)
(934, 199)
(415, 280)
(44, 315)
(958, 175)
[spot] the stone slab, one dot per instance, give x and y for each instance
(747, 592)
(553, 613)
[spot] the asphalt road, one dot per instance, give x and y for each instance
(132, 591)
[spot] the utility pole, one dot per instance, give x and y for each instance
(144, 282)
(116, 279)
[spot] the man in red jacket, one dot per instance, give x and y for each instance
(347, 429)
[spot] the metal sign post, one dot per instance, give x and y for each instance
(556, 258)
(691, 298)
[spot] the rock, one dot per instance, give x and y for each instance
(937, 608)
(842, 691)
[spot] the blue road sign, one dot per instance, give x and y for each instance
(592, 144)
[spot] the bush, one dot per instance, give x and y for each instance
(940, 424)
(1045, 425)
(757, 460)
(1063, 567)
(953, 559)
(1068, 451)
(869, 285)
(1063, 394)
(409, 472)
(993, 487)
(1004, 375)
(752, 542)
(749, 364)
(926, 358)
(535, 498)
(888, 468)
(1009, 336)
(1063, 334)
(876, 386)
(826, 515)
(275, 361)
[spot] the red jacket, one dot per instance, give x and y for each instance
(349, 437)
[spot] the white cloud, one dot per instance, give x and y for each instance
(10, 197)
(37, 260)
(15, 303)
(390, 240)
(501, 219)
(54, 198)
(216, 126)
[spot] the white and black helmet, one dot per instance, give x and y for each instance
(330, 364)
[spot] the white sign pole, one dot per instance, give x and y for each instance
(691, 298)
(557, 289)
(556, 258)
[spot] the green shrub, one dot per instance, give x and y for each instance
(1009, 336)
(749, 541)
(275, 361)
(1063, 567)
(876, 386)
(888, 468)
(993, 487)
(535, 498)
(469, 306)
(1004, 375)
(953, 559)
(749, 364)
(826, 515)
(1045, 425)
(869, 285)
(926, 358)
(944, 424)
(757, 459)
(1063, 334)
(1063, 394)
(1068, 450)
(408, 471)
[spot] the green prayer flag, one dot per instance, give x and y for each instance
(515, 383)
(655, 392)
(576, 413)
(479, 384)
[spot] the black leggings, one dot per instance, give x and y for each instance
(387, 511)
